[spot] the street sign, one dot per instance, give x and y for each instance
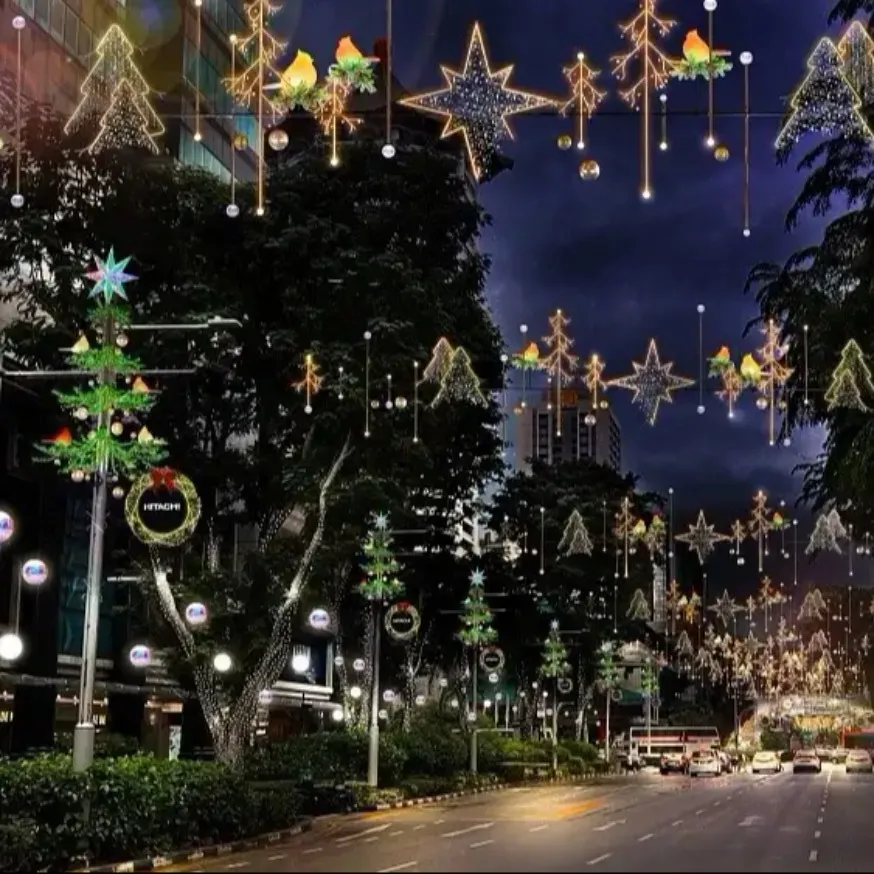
(492, 658)
(402, 621)
(565, 685)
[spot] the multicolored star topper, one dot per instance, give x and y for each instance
(477, 103)
(110, 277)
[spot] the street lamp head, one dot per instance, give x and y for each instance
(337, 715)
(11, 647)
(355, 693)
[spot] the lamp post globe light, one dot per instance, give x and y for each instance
(11, 647)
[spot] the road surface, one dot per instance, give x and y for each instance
(780, 823)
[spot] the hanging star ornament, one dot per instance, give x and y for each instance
(476, 103)
(725, 608)
(110, 277)
(652, 382)
(701, 537)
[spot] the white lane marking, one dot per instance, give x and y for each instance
(371, 840)
(717, 803)
(395, 834)
(397, 867)
(479, 844)
(370, 831)
(645, 838)
(609, 825)
(465, 831)
(816, 835)
(276, 858)
(698, 812)
(311, 851)
(417, 828)
(237, 865)
(677, 822)
(439, 821)
(814, 855)
(538, 828)
(599, 859)
(819, 820)
(749, 821)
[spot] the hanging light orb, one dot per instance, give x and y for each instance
(590, 419)
(77, 476)
(337, 715)
(564, 142)
(17, 200)
(222, 662)
(118, 493)
(277, 139)
(721, 154)
(590, 170)
(195, 613)
(355, 693)
(232, 210)
(762, 403)
(401, 403)
(121, 341)
(140, 656)
(11, 647)
(117, 428)
(388, 151)
(358, 665)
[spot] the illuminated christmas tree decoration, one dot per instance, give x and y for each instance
(825, 103)
(760, 525)
(476, 616)
(773, 375)
(652, 382)
(813, 607)
(575, 539)
(381, 568)
(683, 647)
(639, 609)
(701, 538)
(441, 358)
(655, 68)
(560, 363)
(311, 381)
(476, 103)
(725, 608)
(824, 537)
(655, 539)
(585, 96)
(850, 379)
(460, 383)
(116, 93)
(555, 656)
(594, 383)
(856, 49)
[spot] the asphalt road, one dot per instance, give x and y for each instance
(780, 823)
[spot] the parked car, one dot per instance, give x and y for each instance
(806, 760)
(704, 762)
(767, 762)
(673, 763)
(859, 762)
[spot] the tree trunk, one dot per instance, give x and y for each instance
(230, 725)
(366, 682)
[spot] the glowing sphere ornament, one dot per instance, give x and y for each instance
(388, 151)
(17, 200)
(117, 428)
(358, 665)
(232, 210)
(721, 154)
(319, 619)
(11, 647)
(300, 659)
(222, 662)
(337, 715)
(590, 170)
(196, 613)
(7, 527)
(140, 656)
(355, 693)
(277, 139)
(564, 142)
(77, 476)
(34, 572)
(388, 696)
(117, 492)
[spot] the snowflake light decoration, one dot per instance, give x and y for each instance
(701, 537)
(725, 608)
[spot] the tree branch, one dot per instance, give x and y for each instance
(167, 604)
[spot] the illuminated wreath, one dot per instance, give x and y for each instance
(181, 484)
(414, 615)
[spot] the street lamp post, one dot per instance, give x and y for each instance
(373, 736)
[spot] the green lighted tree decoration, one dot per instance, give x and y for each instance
(476, 615)
(105, 408)
(555, 663)
(607, 676)
(381, 568)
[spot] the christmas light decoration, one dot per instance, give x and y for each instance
(115, 93)
(381, 568)
(438, 366)
(725, 608)
(655, 539)
(594, 383)
(100, 447)
(476, 103)
(476, 615)
(175, 486)
(623, 530)
(851, 378)
(759, 525)
(639, 609)
(652, 382)
(585, 96)
(824, 537)
(700, 60)
(655, 68)
(732, 386)
(560, 363)
(575, 540)
(459, 383)
(701, 538)
(772, 375)
(738, 535)
(673, 602)
(825, 103)
(856, 49)
(683, 646)
(311, 381)
(691, 607)
(813, 607)
(555, 656)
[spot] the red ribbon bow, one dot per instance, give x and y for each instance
(163, 478)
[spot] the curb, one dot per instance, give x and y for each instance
(156, 863)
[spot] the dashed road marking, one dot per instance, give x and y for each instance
(312, 850)
(607, 826)
(819, 820)
(370, 831)
(400, 867)
(677, 822)
(817, 835)
(439, 821)
(465, 831)
(698, 812)
(538, 828)
(234, 865)
(395, 834)
(814, 855)
(645, 838)
(599, 859)
(276, 858)
(371, 840)
(717, 803)
(417, 828)
(479, 844)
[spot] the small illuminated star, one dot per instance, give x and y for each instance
(476, 103)
(380, 521)
(652, 382)
(701, 537)
(477, 578)
(109, 278)
(725, 608)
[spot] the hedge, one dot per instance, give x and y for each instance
(136, 807)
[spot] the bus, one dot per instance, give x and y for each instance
(858, 739)
(647, 746)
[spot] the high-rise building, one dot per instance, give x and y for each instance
(545, 433)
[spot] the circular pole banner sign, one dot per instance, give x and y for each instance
(565, 685)
(34, 572)
(492, 658)
(402, 621)
(162, 507)
(7, 526)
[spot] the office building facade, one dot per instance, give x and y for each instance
(554, 433)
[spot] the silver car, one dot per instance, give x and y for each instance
(766, 761)
(806, 760)
(859, 762)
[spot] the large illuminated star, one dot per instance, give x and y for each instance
(725, 608)
(652, 382)
(109, 278)
(701, 537)
(477, 103)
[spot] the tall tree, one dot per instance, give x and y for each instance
(330, 244)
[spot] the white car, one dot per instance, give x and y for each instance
(806, 760)
(704, 762)
(859, 761)
(766, 761)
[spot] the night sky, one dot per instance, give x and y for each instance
(622, 269)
